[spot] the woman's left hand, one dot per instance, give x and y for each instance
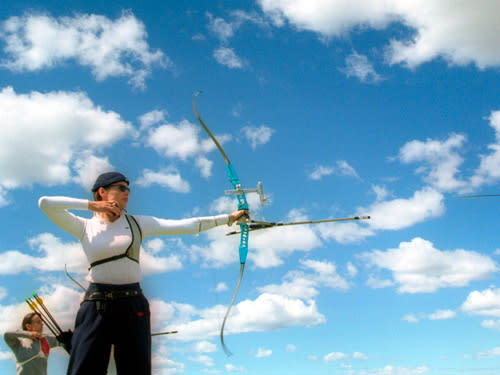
(236, 215)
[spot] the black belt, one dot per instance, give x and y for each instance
(112, 295)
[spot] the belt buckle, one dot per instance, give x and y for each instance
(108, 296)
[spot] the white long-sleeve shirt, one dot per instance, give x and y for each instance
(101, 239)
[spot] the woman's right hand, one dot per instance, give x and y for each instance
(107, 207)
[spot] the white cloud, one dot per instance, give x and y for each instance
(343, 232)
(232, 368)
(489, 168)
(262, 353)
(227, 57)
(183, 141)
(54, 252)
(205, 347)
(88, 167)
(380, 192)
(485, 303)
(267, 312)
(402, 213)
(225, 30)
(221, 287)
(359, 355)
(495, 352)
(222, 29)
(320, 171)
(50, 130)
(299, 284)
(351, 269)
(442, 315)
(360, 67)
(376, 283)
(341, 168)
(3, 293)
(335, 356)
(291, 348)
(7, 356)
(152, 118)
(204, 360)
(418, 267)
(258, 135)
(111, 48)
(391, 370)
(437, 315)
(4, 201)
(180, 141)
(167, 177)
(410, 318)
(442, 158)
(491, 324)
(459, 33)
(62, 302)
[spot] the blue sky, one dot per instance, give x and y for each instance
(344, 108)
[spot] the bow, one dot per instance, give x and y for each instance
(244, 227)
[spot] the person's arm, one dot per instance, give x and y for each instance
(153, 226)
(56, 208)
(11, 338)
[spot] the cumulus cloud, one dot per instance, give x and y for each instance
(492, 353)
(437, 315)
(227, 57)
(56, 254)
(52, 130)
(442, 315)
(225, 29)
(63, 303)
(167, 177)
(335, 356)
(304, 285)
(257, 136)
(484, 303)
(110, 48)
(391, 370)
(267, 312)
(360, 67)
(152, 118)
(489, 168)
(459, 33)
(418, 267)
(402, 213)
(88, 167)
(442, 159)
(183, 141)
(262, 353)
(222, 29)
(341, 168)
(205, 347)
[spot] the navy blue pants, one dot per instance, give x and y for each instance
(124, 323)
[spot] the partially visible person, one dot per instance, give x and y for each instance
(30, 346)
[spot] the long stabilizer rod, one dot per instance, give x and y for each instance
(478, 196)
(256, 225)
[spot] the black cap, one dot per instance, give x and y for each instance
(108, 178)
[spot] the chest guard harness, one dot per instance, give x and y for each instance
(132, 251)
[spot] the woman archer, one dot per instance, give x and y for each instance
(114, 309)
